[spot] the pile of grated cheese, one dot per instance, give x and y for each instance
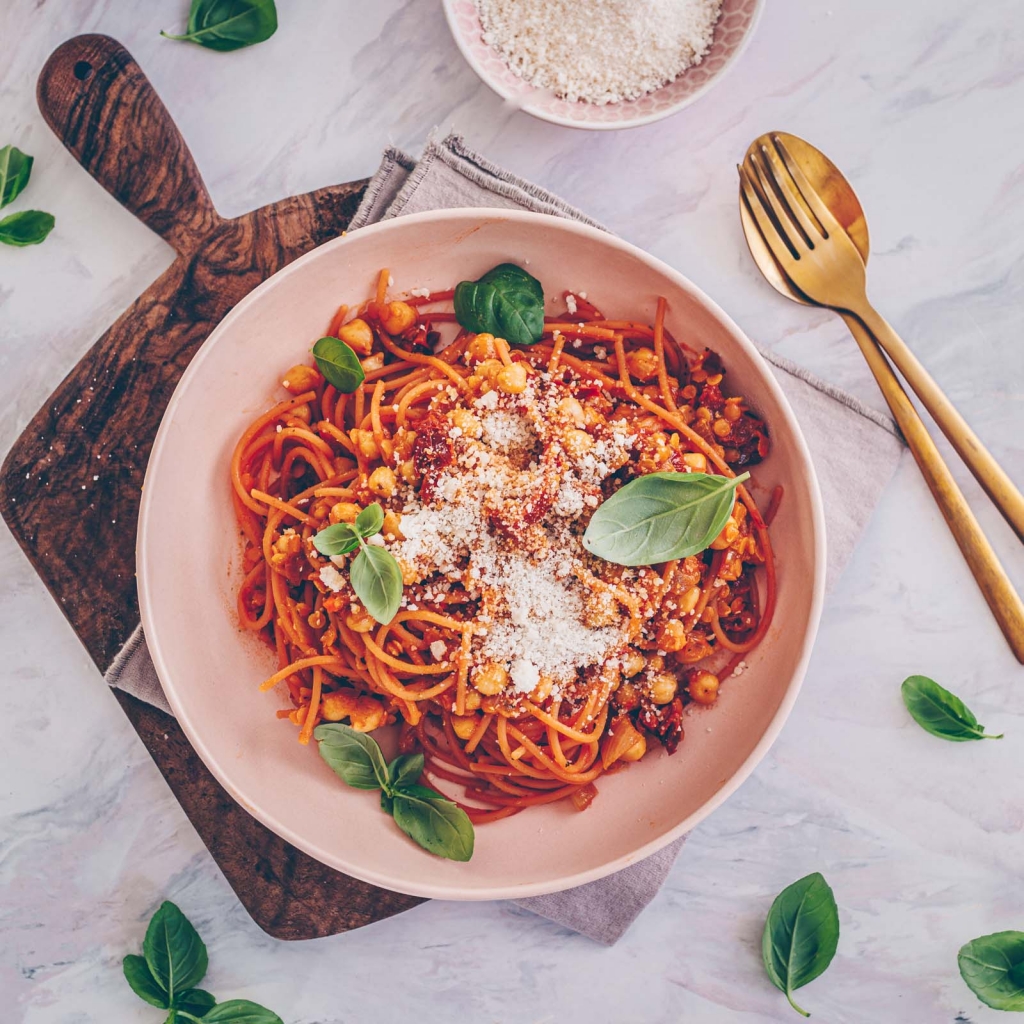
(601, 51)
(534, 604)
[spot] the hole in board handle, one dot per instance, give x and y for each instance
(83, 70)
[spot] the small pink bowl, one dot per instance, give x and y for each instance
(732, 33)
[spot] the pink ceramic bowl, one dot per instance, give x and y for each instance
(732, 33)
(188, 567)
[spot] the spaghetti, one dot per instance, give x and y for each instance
(520, 665)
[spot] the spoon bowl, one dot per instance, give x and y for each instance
(836, 193)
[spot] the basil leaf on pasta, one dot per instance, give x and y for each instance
(370, 520)
(661, 517)
(405, 770)
(355, 757)
(377, 580)
(338, 539)
(940, 712)
(438, 825)
(339, 364)
(506, 302)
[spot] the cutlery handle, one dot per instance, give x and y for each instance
(101, 105)
(1004, 601)
(992, 477)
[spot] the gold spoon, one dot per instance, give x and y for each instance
(839, 197)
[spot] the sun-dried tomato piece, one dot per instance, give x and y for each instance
(664, 721)
(432, 453)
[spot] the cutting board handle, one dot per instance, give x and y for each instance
(102, 107)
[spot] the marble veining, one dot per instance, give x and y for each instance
(922, 104)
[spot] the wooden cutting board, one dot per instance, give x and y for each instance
(78, 531)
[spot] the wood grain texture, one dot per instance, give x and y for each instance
(77, 531)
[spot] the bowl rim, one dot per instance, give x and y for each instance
(510, 890)
(533, 110)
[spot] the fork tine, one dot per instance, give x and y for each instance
(774, 237)
(801, 242)
(827, 220)
(768, 167)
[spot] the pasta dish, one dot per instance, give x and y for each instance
(521, 659)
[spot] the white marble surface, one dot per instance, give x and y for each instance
(922, 103)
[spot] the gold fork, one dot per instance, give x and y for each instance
(822, 262)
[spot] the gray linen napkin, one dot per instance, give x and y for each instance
(855, 452)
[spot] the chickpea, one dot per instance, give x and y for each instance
(632, 664)
(464, 725)
(512, 379)
(360, 621)
(729, 533)
(490, 679)
(407, 471)
(655, 662)
(637, 750)
(672, 637)
(600, 610)
(542, 690)
(642, 364)
(473, 700)
(481, 347)
(689, 600)
(365, 442)
(722, 428)
(466, 422)
(393, 525)
(358, 335)
(702, 685)
(371, 363)
(396, 317)
(571, 409)
(382, 481)
(578, 443)
(301, 413)
(732, 410)
(628, 696)
(489, 369)
(696, 461)
(344, 512)
(663, 687)
(301, 378)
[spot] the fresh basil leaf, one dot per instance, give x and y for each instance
(175, 953)
(353, 755)
(229, 24)
(438, 825)
(143, 984)
(370, 520)
(387, 803)
(240, 1011)
(800, 935)
(29, 227)
(506, 302)
(338, 539)
(194, 1001)
(661, 517)
(993, 967)
(405, 770)
(377, 580)
(15, 168)
(339, 364)
(940, 712)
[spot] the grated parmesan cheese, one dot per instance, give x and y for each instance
(604, 51)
